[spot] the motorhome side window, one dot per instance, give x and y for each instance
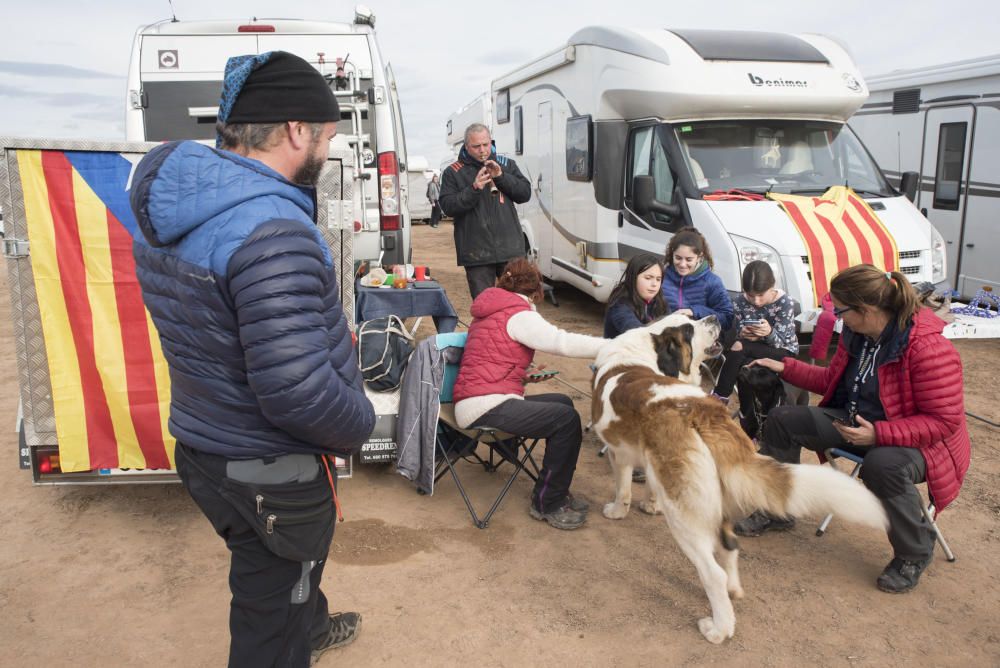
(518, 130)
(650, 159)
(578, 148)
(950, 158)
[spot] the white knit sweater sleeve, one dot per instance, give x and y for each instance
(531, 329)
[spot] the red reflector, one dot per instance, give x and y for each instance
(387, 163)
(357, 225)
(255, 27)
(44, 465)
(389, 223)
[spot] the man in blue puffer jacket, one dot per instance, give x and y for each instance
(265, 384)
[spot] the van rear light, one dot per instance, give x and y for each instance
(255, 27)
(48, 464)
(388, 191)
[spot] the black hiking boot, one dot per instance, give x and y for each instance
(576, 503)
(901, 575)
(759, 522)
(344, 628)
(561, 518)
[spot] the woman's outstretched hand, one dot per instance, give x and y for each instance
(767, 363)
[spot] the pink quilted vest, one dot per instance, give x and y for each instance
(493, 363)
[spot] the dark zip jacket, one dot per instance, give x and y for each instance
(487, 229)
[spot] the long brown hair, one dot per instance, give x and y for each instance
(689, 236)
(625, 290)
(867, 285)
(522, 277)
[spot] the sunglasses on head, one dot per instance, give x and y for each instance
(840, 311)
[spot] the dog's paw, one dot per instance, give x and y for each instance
(650, 507)
(711, 633)
(615, 511)
(736, 592)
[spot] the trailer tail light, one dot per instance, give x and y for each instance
(48, 464)
(255, 27)
(388, 191)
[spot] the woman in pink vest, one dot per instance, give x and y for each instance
(506, 331)
(892, 393)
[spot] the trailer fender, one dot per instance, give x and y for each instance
(530, 247)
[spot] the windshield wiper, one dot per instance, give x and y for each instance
(823, 189)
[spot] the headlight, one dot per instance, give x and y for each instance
(939, 257)
(749, 251)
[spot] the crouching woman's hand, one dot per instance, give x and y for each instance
(773, 365)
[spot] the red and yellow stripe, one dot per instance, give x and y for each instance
(110, 386)
(839, 230)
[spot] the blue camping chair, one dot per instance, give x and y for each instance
(928, 510)
(454, 444)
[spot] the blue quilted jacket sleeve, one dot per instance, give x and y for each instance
(716, 302)
(298, 351)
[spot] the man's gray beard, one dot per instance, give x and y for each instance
(308, 173)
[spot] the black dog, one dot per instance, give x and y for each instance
(760, 390)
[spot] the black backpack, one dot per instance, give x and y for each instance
(384, 348)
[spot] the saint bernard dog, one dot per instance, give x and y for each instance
(702, 471)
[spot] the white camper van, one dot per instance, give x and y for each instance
(175, 79)
(942, 125)
(623, 133)
(418, 176)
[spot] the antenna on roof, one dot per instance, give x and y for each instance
(173, 14)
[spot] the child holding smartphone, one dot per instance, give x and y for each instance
(765, 327)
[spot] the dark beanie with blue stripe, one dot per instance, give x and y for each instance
(273, 87)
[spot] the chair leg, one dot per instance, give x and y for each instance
(603, 450)
(929, 513)
(461, 488)
(519, 466)
(826, 520)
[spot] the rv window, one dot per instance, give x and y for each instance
(650, 159)
(950, 158)
(578, 148)
(518, 130)
(503, 106)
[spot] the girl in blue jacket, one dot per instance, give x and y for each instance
(637, 299)
(689, 286)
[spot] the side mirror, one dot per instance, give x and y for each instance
(908, 185)
(644, 198)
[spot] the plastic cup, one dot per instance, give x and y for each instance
(420, 272)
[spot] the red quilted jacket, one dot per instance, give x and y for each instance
(493, 363)
(922, 395)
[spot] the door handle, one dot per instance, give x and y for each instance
(970, 245)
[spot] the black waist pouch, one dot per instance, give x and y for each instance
(294, 520)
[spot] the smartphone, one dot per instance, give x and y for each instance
(842, 420)
(751, 323)
(546, 373)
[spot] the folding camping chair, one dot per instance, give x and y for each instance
(928, 510)
(454, 443)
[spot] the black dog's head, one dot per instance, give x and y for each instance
(765, 385)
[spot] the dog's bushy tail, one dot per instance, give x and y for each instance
(762, 483)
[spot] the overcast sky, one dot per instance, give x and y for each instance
(63, 63)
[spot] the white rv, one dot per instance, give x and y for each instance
(418, 176)
(175, 80)
(942, 124)
(623, 133)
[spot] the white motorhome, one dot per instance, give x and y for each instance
(418, 176)
(942, 125)
(623, 133)
(480, 110)
(175, 79)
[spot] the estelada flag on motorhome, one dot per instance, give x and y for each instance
(110, 385)
(839, 230)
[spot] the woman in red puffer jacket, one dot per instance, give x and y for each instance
(892, 393)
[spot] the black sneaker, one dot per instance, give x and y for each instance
(638, 475)
(344, 628)
(759, 522)
(563, 518)
(577, 504)
(901, 575)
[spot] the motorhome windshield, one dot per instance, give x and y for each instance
(799, 157)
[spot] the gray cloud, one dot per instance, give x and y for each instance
(29, 69)
(60, 98)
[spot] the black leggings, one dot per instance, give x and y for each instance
(737, 359)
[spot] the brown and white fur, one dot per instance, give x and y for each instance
(701, 469)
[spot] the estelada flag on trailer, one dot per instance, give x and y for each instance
(110, 385)
(839, 230)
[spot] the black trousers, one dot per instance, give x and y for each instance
(278, 613)
(483, 276)
(737, 359)
(435, 214)
(891, 473)
(548, 416)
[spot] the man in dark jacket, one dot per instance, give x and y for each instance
(265, 386)
(479, 191)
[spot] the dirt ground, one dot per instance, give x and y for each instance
(134, 576)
